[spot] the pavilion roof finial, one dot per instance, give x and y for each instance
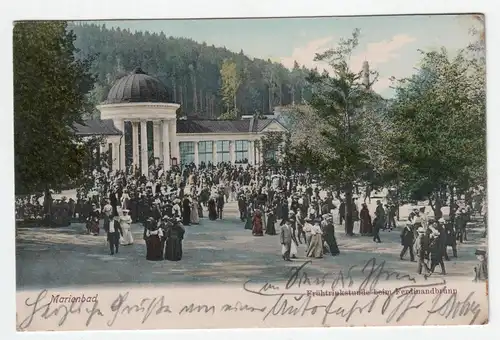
(138, 70)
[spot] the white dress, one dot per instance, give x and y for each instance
(125, 222)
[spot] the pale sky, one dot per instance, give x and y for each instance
(389, 43)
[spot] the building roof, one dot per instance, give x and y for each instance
(106, 127)
(94, 127)
(223, 126)
(137, 87)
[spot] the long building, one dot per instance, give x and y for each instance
(139, 98)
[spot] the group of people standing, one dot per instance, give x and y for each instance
(427, 239)
(270, 202)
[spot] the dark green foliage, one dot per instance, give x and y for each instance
(50, 88)
(439, 118)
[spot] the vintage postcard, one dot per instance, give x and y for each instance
(250, 173)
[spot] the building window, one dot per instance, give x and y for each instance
(223, 154)
(205, 152)
(241, 151)
(270, 155)
(186, 150)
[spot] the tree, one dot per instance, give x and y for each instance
(50, 95)
(440, 118)
(338, 102)
(231, 82)
(230, 115)
(270, 144)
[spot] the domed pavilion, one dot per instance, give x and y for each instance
(139, 98)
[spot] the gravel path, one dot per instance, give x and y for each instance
(214, 252)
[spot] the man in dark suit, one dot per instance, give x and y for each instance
(114, 233)
(379, 221)
(407, 241)
(220, 204)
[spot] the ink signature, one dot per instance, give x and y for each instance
(395, 306)
(146, 307)
(293, 298)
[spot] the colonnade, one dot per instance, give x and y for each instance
(166, 145)
(164, 138)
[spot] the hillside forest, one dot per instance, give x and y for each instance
(206, 80)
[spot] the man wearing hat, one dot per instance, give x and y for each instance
(461, 225)
(286, 239)
(378, 222)
(437, 246)
(451, 238)
(481, 270)
(421, 246)
(114, 232)
(407, 240)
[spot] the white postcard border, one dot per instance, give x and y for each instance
(111, 9)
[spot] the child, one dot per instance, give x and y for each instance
(481, 270)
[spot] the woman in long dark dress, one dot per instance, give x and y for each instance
(365, 227)
(186, 211)
(212, 211)
(271, 220)
(153, 237)
(257, 223)
(173, 248)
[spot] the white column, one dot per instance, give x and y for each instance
(103, 147)
(196, 154)
(135, 144)
(156, 138)
(232, 153)
(121, 127)
(251, 156)
(261, 156)
(144, 148)
(173, 140)
(166, 145)
(214, 152)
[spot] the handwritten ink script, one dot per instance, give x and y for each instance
(366, 292)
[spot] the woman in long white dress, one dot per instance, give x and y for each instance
(125, 199)
(315, 249)
(125, 223)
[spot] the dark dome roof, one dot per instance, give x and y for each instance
(137, 87)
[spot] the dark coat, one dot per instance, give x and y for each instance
(173, 244)
(407, 236)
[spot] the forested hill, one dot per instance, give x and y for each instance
(191, 71)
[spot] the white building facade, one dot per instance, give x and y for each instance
(138, 99)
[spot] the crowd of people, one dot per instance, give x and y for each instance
(279, 202)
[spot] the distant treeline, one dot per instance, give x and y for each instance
(190, 70)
